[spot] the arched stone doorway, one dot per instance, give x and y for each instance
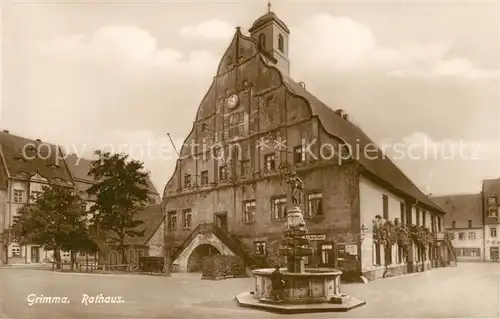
(195, 260)
(201, 239)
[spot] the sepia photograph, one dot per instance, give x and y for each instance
(249, 159)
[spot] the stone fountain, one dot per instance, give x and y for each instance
(305, 289)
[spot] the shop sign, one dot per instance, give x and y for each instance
(351, 249)
(316, 237)
(345, 252)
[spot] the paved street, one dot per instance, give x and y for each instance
(466, 291)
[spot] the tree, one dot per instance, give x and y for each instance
(120, 193)
(423, 238)
(402, 237)
(52, 220)
(384, 234)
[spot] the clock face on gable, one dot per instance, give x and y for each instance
(232, 101)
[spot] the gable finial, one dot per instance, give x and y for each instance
(269, 6)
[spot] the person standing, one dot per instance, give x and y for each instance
(278, 283)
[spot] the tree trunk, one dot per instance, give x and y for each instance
(6, 254)
(87, 260)
(387, 261)
(25, 254)
(122, 250)
(57, 257)
(72, 260)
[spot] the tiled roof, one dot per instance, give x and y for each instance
(382, 167)
(80, 167)
(4, 176)
(461, 209)
(38, 156)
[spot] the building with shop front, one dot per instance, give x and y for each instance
(472, 222)
(464, 224)
(26, 165)
(255, 124)
(491, 212)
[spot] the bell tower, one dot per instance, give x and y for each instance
(272, 36)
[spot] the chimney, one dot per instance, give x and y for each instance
(342, 114)
(302, 84)
(6, 131)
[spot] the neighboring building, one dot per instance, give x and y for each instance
(464, 224)
(473, 222)
(150, 244)
(235, 202)
(27, 165)
(491, 212)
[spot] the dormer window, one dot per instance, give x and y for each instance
(281, 43)
(29, 152)
(262, 40)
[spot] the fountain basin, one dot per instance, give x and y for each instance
(314, 285)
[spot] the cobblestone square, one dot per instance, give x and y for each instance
(470, 290)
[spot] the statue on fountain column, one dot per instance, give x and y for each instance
(297, 187)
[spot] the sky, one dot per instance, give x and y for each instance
(422, 77)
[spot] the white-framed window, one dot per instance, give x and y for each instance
(16, 250)
(493, 209)
(314, 204)
(472, 236)
(299, 156)
(186, 219)
(248, 211)
(278, 207)
(18, 196)
(172, 220)
(260, 248)
(461, 235)
(269, 162)
(325, 253)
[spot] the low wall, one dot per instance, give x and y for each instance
(397, 270)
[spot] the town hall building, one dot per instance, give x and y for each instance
(255, 125)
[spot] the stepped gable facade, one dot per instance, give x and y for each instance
(254, 125)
